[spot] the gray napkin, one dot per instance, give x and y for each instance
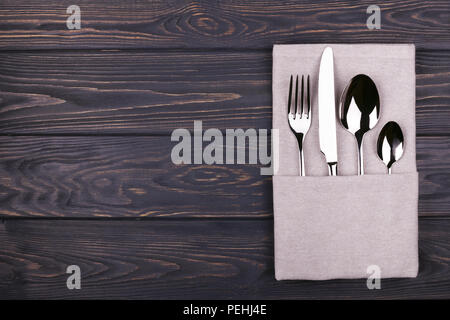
(336, 227)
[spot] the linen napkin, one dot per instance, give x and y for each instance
(337, 227)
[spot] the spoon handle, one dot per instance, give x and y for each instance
(360, 160)
(359, 140)
(332, 168)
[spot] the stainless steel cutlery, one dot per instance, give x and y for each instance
(359, 112)
(299, 115)
(327, 111)
(390, 144)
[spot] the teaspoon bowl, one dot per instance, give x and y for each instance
(390, 144)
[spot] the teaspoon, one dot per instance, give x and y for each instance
(390, 144)
(359, 110)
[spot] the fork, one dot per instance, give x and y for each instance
(300, 117)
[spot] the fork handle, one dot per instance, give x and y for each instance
(301, 159)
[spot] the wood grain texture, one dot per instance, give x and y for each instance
(134, 177)
(219, 24)
(78, 117)
(185, 259)
(121, 177)
(130, 92)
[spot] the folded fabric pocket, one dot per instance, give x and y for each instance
(342, 226)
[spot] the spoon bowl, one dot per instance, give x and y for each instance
(359, 110)
(390, 144)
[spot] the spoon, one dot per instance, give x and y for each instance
(390, 144)
(359, 110)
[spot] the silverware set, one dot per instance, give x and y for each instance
(359, 112)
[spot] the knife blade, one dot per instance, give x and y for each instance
(327, 111)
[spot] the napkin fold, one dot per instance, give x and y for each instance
(336, 227)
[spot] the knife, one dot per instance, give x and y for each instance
(327, 111)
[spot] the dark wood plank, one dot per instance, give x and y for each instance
(124, 92)
(29, 24)
(178, 259)
(132, 92)
(121, 177)
(134, 177)
(434, 174)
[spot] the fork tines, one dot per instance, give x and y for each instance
(305, 100)
(299, 116)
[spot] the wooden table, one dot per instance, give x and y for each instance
(85, 121)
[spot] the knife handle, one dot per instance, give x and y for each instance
(332, 168)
